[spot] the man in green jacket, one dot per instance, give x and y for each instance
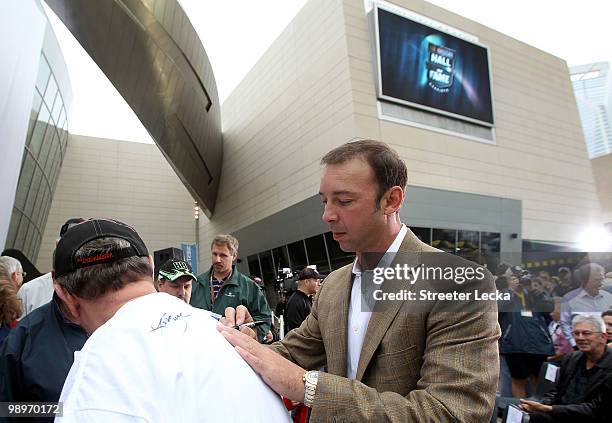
(223, 286)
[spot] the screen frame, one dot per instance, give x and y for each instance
(376, 7)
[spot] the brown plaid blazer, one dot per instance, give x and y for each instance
(414, 367)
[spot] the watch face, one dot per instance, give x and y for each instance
(311, 377)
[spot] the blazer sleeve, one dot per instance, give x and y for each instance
(458, 379)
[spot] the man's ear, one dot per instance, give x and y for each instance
(152, 264)
(393, 199)
(72, 305)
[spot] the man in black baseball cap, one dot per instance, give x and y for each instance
(300, 303)
(151, 356)
(175, 278)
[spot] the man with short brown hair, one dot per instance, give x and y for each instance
(388, 365)
(224, 286)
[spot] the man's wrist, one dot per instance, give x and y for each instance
(310, 380)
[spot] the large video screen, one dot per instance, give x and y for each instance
(427, 68)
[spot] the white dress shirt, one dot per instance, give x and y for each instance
(358, 320)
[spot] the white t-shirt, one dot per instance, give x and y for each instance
(35, 293)
(160, 360)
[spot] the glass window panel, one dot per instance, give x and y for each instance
(46, 145)
(52, 175)
(39, 131)
(467, 245)
(44, 71)
(281, 259)
(33, 114)
(267, 267)
(489, 249)
(315, 249)
(490, 241)
(254, 269)
(40, 204)
(37, 181)
(55, 175)
(29, 236)
(444, 239)
(36, 250)
(424, 234)
(50, 94)
(297, 254)
(61, 120)
(33, 245)
(58, 106)
(37, 205)
(64, 141)
(13, 228)
(21, 233)
(40, 210)
(47, 163)
(25, 181)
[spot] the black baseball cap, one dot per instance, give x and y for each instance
(174, 269)
(309, 273)
(70, 223)
(65, 262)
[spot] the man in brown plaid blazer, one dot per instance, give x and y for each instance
(432, 366)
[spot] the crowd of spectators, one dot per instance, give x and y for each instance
(562, 320)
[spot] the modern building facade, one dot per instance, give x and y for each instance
(477, 184)
(602, 171)
(128, 181)
(43, 145)
(593, 89)
(502, 165)
(150, 52)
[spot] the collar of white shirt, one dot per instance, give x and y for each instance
(586, 294)
(388, 257)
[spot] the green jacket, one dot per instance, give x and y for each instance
(237, 290)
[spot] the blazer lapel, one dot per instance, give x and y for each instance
(381, 320)
(336, 336)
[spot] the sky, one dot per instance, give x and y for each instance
(235, 33)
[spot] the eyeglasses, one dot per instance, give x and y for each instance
(585, 333)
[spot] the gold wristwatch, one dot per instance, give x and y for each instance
(310, 380)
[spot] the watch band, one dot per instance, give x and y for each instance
(310, 380)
